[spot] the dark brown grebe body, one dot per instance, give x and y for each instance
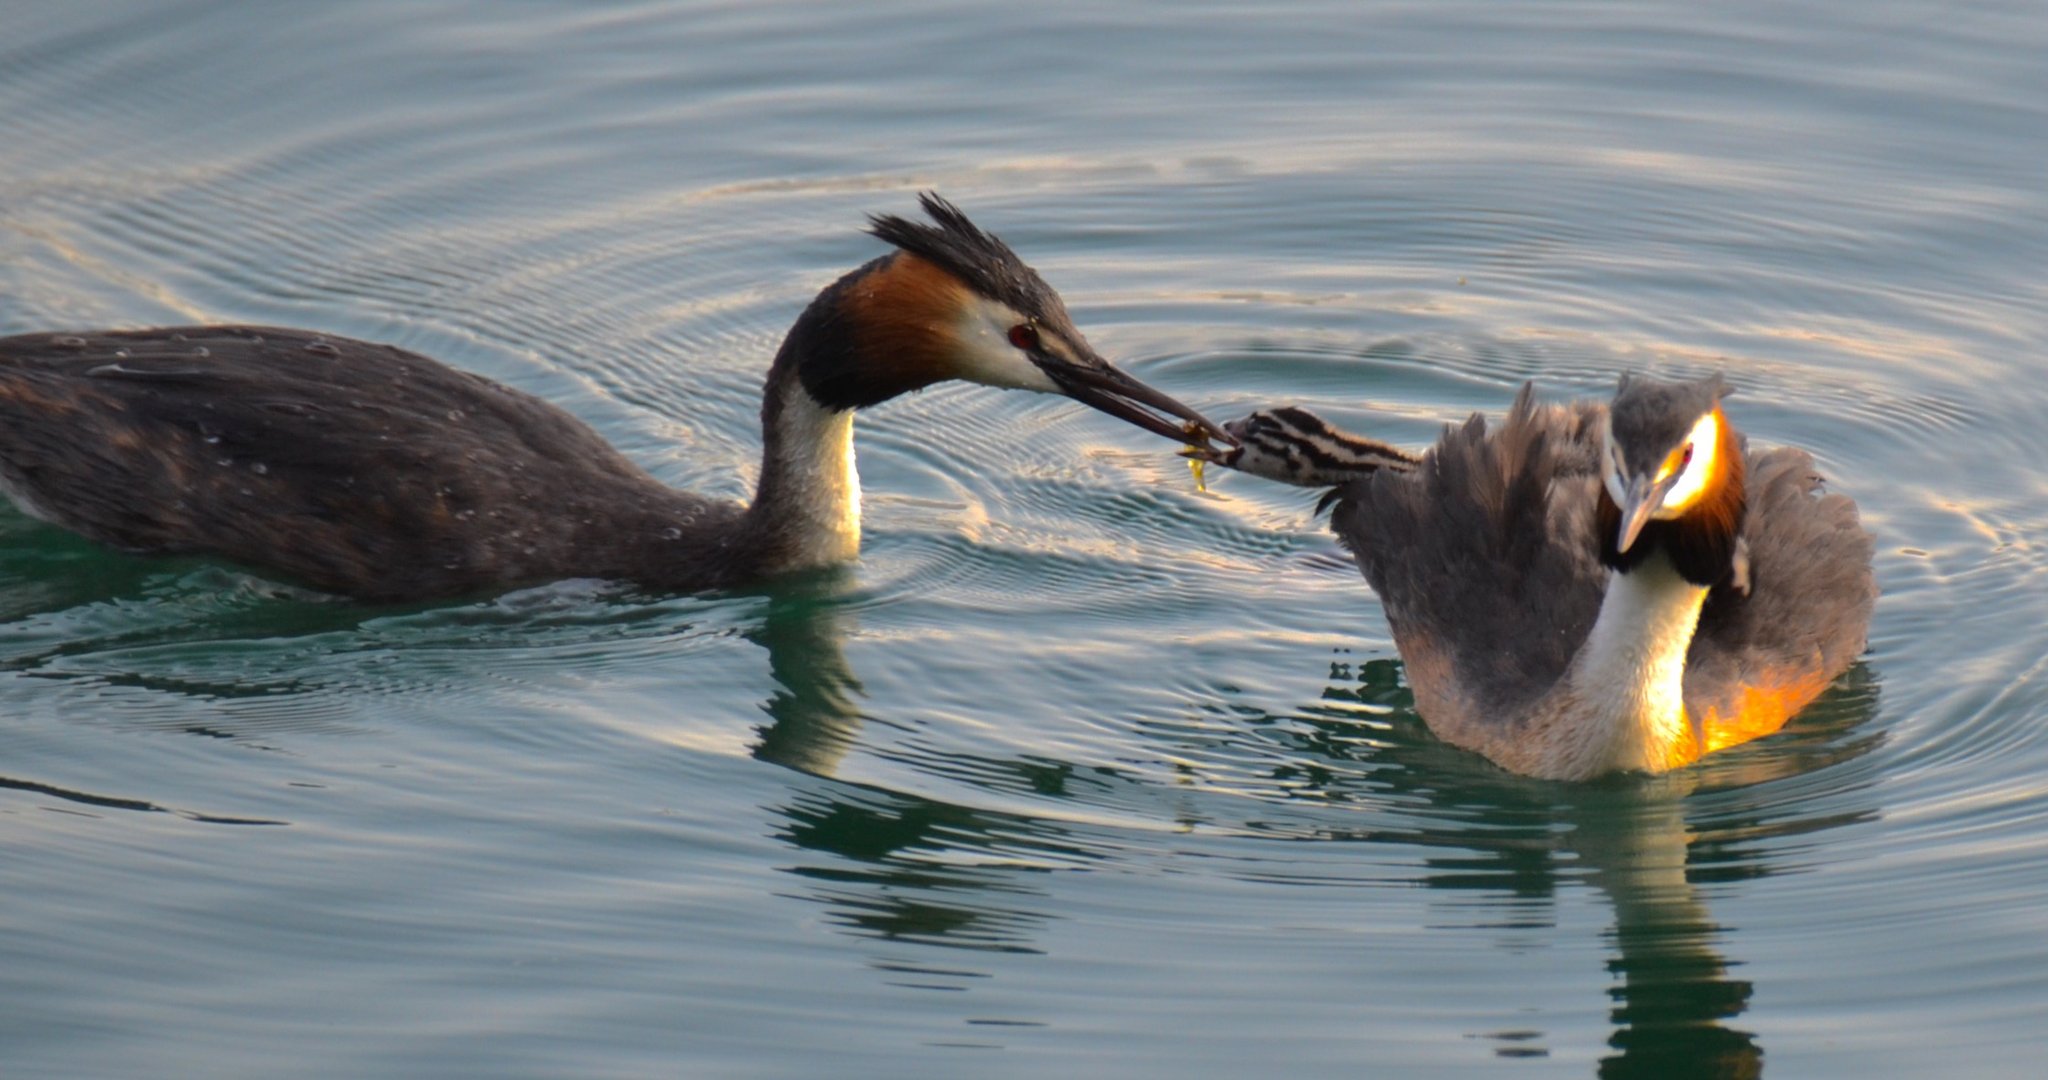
(376, 472)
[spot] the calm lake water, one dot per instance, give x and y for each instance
(1080, 771)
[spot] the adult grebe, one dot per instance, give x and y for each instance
(368, 470)
(1592, 588)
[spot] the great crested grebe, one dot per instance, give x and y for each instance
(1592, 588)
(368, 470)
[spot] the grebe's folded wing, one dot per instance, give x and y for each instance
(1757, 659)
(351, 466)
(1484, 556)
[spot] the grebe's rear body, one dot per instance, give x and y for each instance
(349, 466)
(1586, 588)
(368, 470)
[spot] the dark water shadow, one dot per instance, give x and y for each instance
(93, 801)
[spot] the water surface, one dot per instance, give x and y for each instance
(1080, 769)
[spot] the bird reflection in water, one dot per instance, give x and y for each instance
(1652, 846)
(814, 714)
(899, 867)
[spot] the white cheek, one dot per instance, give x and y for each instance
(1705, 439)
(986, 355)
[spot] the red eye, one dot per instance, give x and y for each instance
(1024, 336)
(1686, 458)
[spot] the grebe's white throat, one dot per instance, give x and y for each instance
(1621, 704)
(819, 484)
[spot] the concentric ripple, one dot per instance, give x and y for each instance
(1080, 769)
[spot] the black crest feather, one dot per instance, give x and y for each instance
(962, 249)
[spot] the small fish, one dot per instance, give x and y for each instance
(1195, 460)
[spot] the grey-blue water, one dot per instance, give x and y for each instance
(1079, 771)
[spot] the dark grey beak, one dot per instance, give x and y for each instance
(1644, 496)
(1094, 383)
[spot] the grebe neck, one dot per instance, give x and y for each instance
(806, 508)
(1621, 704)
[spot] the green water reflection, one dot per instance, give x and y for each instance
(1645, 845)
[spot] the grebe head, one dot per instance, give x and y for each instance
(1671, 469)
(954, 302)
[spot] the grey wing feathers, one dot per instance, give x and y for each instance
(355, 467)
(1484, 556)
(1812, 589)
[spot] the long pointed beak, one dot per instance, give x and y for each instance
(1096, 384)
(1644, 496)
